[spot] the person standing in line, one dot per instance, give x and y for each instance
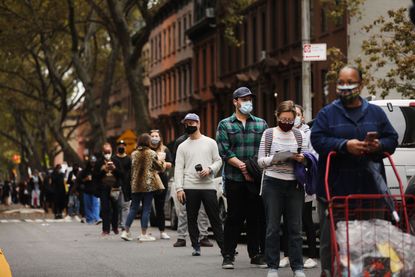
(308, 224)
(107, 175)
(144, 182)
(202, 219)
(344, 126)
(238, 138)
(164, 155)
(197, 162)
(124, 200)
(281, 192)
(89, 186)
(35, 183)
(75, 194)
(59, 191)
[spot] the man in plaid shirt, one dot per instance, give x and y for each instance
(238, 138)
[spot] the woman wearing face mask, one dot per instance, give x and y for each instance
(164, 155)
(281, 194)
(144, 182)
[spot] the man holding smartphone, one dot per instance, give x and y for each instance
(197, 162)
(359, 132)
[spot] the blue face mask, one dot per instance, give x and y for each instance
(246, 107)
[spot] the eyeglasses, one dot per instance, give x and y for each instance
(285, 120)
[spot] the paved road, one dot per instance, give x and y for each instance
(73, 249)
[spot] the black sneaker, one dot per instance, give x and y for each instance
(259, 261)
(205, 242)
(196, 252)
(180, 243)
(227, 262)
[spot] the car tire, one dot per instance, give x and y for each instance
(174, 220)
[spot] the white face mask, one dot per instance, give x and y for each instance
(347, 88)
(107, 156)
(297, 121)
(246, 107)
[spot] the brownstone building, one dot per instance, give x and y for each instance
(199, 74)
(170, 68)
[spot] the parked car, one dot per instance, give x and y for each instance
(401, 114)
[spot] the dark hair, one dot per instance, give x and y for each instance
(144, 140)
(359, 72)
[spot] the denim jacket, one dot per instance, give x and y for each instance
(330, 132)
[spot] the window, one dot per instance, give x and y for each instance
(174, 76)
(212, 63)
(298, 90)
(179, 32)
(264, 33)
(297, 19)
(254, 40)
(184, 31)
(274, 23)
(152, 50)
(159, 47)
(324, 27)
(204, 69)
(180, 83)
(286, 89)
(169, 35)
(238, 50)
(196, 57)
(164, 49)
(325, 87)
(185, 85)
(245, 44)
(285, 24)
(174, 37)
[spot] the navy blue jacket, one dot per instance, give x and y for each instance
(330, 132)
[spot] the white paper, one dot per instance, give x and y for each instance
(281, 156)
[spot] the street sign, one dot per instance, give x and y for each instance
(314, 52)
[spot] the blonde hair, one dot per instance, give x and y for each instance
(286, 106)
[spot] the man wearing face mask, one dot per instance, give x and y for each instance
(124, 199)
(197, 162)
(238, 138)
(108, 176)
(343, 126)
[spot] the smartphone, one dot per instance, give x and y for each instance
(198, 167)
(371, 136)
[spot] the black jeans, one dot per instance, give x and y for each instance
(159, 200)
(109, 211)
(194, 197)
(244, 205)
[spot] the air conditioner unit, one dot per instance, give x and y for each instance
(210, 12)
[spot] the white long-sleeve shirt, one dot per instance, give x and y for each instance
(281, 141)
(191, 152)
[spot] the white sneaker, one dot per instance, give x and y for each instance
(299, 273)
(310, 263)
(147, 238)
(126, 236)
(272, 272)
(284, 262)
(77, 218)
(67, 218)
(163, 235)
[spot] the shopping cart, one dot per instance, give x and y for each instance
(370, 233)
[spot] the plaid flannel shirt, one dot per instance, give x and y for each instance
(235, 140)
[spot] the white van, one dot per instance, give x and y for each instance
(401, 114)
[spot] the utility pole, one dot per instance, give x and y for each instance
(306, 66)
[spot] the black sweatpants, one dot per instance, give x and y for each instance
(109, 211)
(194, 197)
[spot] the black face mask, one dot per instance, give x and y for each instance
(121, 150)
(190, 129)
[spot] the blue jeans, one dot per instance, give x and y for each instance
(92, 208)
(283, 197)
(136, 198)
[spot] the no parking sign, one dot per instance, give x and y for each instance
(314, 52)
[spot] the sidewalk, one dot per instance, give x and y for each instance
(18, 211)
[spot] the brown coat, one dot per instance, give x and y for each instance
(144, 168)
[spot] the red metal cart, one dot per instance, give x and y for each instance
(365, 239)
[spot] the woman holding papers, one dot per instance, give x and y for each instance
(280, 148)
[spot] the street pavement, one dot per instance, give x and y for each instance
(69, 248)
